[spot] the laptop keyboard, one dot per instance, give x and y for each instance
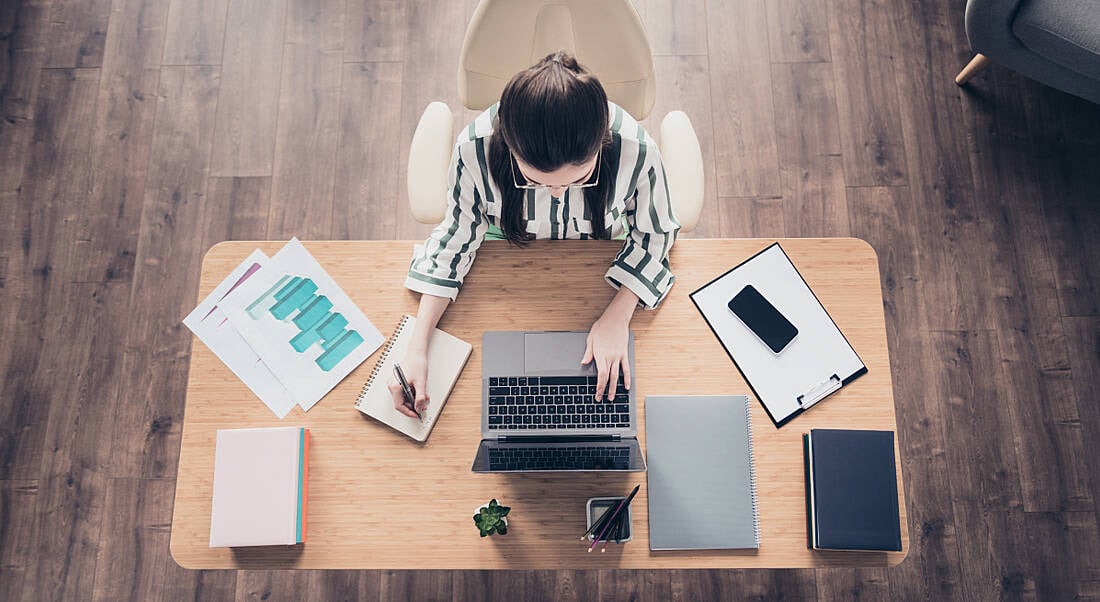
(560, 458)
(554, 402)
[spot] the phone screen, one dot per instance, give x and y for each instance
(763, 318)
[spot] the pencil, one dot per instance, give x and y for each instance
(616, 532)
(622, 504)
(597, 524)
(620, 522)
(608, 522)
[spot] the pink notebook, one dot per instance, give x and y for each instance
(260, 492)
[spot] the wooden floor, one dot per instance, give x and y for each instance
(137, 133)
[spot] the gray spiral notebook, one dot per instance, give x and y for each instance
(701, 481)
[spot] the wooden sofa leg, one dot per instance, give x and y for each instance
(972, 68)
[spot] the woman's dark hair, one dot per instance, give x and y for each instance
(551, 115)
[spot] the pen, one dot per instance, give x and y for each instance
(406, 390)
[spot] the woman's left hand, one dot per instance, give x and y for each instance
(608, 342)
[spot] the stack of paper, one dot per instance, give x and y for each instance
(260, 478)
(285, 328)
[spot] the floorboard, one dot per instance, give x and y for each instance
(18, 529)
(981, 462)
(798, 31)
(344, 586)
(307, 130)
(859, 584)
(273, 585)
(786, 584)
(932, 109)
(1071, 151)
(375, 31)
(746, 159)
(196, 32)
(148, 420)
(58, 173)
(635, 585)
(22, 51)
(430, 586)
(367, 180)
(236, 209)
(863, 43)
(1032, 558)
(77, 31)
(748, 217)
(1083, 343)
(124, 570)
(1035, 363)
(673, 26)
(811, 167)
(248, 99)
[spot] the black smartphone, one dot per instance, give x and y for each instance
(762, 318)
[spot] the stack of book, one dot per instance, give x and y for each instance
(851, 490)
(260, 487)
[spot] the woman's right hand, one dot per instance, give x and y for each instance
(415, 367)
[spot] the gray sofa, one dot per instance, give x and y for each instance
(1056, 42)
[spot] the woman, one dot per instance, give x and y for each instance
(553, 159)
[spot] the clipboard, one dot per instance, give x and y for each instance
(818, 362)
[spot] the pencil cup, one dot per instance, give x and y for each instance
(597, 506)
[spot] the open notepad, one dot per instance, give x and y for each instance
(447, 356)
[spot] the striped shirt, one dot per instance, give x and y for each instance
(638, 205)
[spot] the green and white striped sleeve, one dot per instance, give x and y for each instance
(449, 250)
(642, 264)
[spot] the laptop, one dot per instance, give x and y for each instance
(538, 408)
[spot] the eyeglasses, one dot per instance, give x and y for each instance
(579, 184)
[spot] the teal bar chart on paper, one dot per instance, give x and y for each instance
(301, 324)
(295, 299)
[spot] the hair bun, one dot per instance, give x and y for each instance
(566, 59)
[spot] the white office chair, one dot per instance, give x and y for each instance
(506, 36)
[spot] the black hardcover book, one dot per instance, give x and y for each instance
(852, 490)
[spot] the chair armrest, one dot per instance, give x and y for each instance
(429, 158)
(989, 27)
(683, 161)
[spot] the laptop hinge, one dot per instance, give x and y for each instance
(556, 439)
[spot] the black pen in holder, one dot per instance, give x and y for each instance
(619, 531)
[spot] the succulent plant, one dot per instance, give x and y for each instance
(490, 519)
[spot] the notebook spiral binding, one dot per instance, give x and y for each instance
(752, 471)
(381, 359)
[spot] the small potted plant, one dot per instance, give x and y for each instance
(492, 518)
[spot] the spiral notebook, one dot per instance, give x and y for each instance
(701, 479)
(447, 356)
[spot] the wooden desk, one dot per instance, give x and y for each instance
(380, 500)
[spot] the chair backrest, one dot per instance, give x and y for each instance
(607, 36)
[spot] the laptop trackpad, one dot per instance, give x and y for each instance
(554, 352)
